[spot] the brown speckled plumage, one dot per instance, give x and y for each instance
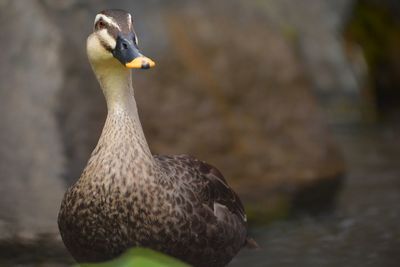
(126, 197)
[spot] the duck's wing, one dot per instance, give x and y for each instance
(207, 183)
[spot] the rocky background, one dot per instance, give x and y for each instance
(252, 87)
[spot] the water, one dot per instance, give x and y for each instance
(364, 229)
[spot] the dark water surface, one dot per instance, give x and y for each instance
(364, 229)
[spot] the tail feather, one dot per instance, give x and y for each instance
(251, 243)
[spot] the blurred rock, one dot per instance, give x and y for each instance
(31, 156)
(315, 27)
(375, 29)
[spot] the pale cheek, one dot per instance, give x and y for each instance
(106, 38)
(95, 49)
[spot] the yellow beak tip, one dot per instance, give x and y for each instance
(141, 63)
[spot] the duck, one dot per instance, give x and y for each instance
(127, 197)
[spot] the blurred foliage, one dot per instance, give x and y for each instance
(141, 257)
(377, 30)
(276, 207)
(375, 26)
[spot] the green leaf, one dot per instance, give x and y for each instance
(140, 257)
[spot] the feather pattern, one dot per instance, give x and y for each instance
(208, 183)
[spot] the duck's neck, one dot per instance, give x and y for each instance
(116, 82)
(122, 138)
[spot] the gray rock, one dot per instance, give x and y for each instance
(315, 26)
(31, 153)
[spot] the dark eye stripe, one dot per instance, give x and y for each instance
(101, 24)
(111, 29)
(105, 45)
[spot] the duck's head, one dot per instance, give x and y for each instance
(114, 39)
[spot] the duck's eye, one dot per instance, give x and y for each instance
(101, 24)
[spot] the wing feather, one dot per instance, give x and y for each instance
(211, 186)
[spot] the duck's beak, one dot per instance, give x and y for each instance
(141, 62)
(127, 52)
